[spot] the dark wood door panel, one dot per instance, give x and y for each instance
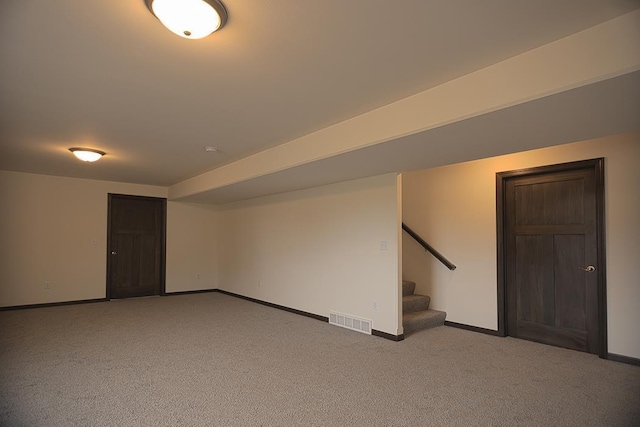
(570, 281)
(534, 279)
(560, 337)
(122, 262)
(148, 260)
(134, 216)
(546, 203)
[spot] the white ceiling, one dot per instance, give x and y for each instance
(107, 75)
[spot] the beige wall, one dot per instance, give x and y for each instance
(191, 247)
(454, 209)
(317, 250)
(55, 229)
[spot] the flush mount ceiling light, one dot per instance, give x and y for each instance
(87, 154)
(191, 19)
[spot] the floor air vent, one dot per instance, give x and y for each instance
(350, 322)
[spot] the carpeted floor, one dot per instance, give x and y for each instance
(212, 359)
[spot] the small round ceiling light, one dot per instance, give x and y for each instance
(87, 154)
(191, 19)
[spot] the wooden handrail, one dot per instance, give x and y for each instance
(428, 247)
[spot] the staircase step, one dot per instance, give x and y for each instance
(420, 320)
(408, 287)
(415, 302)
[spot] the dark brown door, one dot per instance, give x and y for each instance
(553, 256)
(136, 246)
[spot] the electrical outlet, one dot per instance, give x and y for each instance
(384, 245)
(197, 276)
(374, 305)
(46, 285)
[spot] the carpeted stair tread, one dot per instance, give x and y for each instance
(415, 310)
(425, 319)
(408, 287)
(415, 302)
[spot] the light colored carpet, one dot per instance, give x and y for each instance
(212, 359)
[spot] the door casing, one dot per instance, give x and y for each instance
(163, 240)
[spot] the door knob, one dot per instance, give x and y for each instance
(588, 269)
(114, 253)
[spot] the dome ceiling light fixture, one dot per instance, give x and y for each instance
(87, 154)
(191, 19)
